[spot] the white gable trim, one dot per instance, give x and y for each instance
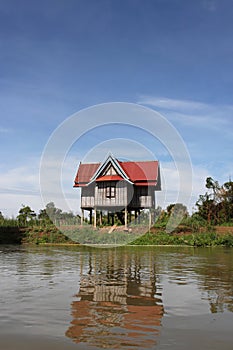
(116, 166)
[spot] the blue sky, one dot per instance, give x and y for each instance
(58, 57)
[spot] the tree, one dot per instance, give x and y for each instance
(214, 185)
(227, 201)
(177, 209)
(1, 218)
(53, 212)
(176, 212)
(52, 215)
(216, 205)
(44, 218)
(26, 216)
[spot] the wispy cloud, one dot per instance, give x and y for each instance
(20, 185)
(172, 104)
(24, 177)
(193, 113)
(207, 130)
(172, 188)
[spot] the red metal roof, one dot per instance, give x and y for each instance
(85, 173)
(143, 173)
(109, 178)
(145, 183)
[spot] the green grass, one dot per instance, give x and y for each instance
(195, 240)
(89, 236)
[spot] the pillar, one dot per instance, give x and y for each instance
(150, 219)
(101, 217)
(126, 217)
(95, 215)
(90, 216)
(112, 216)
(82, 217)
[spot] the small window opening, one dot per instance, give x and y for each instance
(111, 190)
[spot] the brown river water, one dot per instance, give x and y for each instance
(116, 298)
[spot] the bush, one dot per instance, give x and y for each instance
(196, 240)
(226, 240)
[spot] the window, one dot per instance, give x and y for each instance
(111, 190)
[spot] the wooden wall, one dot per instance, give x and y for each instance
(119, 200)
(125, 195)
(88, 196)
(143, 197)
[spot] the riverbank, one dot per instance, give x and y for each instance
(220, 236)
(204, 239)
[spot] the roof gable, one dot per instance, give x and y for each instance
(105, 165)
(141, 173)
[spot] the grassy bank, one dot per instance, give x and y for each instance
(51, 235)
(205, 239)
(31, 235)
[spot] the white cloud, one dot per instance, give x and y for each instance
(24, 178)
(12, 202)
(193, 118)
(171, 186)
(19, 186)
(172, 104)
(194, 113)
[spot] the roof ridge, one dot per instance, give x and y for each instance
(137, 161)
(89, 163)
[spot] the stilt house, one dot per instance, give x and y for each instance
(117, 187)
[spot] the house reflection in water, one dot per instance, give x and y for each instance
(117, 305)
